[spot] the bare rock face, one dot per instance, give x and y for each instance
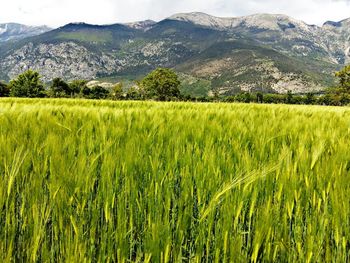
(143, 25)
(337, 39)
(261, 21)
(69, 60)
(65, 60)
(271, 78)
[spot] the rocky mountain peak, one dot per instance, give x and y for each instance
(332, 24)
(14, 31)
(345, 22)
(272, 22)
(203, 19)
(142, 25)
(276, 22)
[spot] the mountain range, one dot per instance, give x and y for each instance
(262, 52)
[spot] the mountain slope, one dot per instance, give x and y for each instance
(233, 66)
(88, 51)
(284, 33)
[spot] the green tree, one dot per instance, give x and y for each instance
(245, 97)
(259, 97)
(274, 98)
(4, 90)
(133, 94)
(161, 84)
(79, 88)
(216, 94)
(98, 92)
(85, 92)
(289, 97)
(344, 79)
(310, 98)
(59, 88)
(117, 91)
(28, 84)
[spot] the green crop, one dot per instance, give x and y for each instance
(103, 181)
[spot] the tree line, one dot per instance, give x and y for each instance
(163, 84)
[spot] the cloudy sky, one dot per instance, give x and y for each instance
(59, 12)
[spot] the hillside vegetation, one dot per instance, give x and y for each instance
(103, 181)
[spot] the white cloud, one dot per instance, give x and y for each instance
(59, 12)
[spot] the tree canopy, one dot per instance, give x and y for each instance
(59, 88)
(161, 84)
(344, 78)
(78, 87)
(4, 90)
(117, 91)
(98, 92)
(28, 84)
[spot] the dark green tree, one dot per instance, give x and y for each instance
(59, 88)
(274, 98)
(216, 94)
(117, 92)
(344, 79)
(98, 92)
(79, 87)
(4, 90)
(310, 98)
(28, 84)
(289, 97)
(85, 92)
(259, 97)
(161, 84)
(245, 97)
(133, 94)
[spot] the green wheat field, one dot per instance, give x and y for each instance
(103, 181)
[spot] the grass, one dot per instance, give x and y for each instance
(91, 37)
(102, 181)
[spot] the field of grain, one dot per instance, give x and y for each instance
(101, 181)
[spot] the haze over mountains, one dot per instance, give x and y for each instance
(261, 52)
